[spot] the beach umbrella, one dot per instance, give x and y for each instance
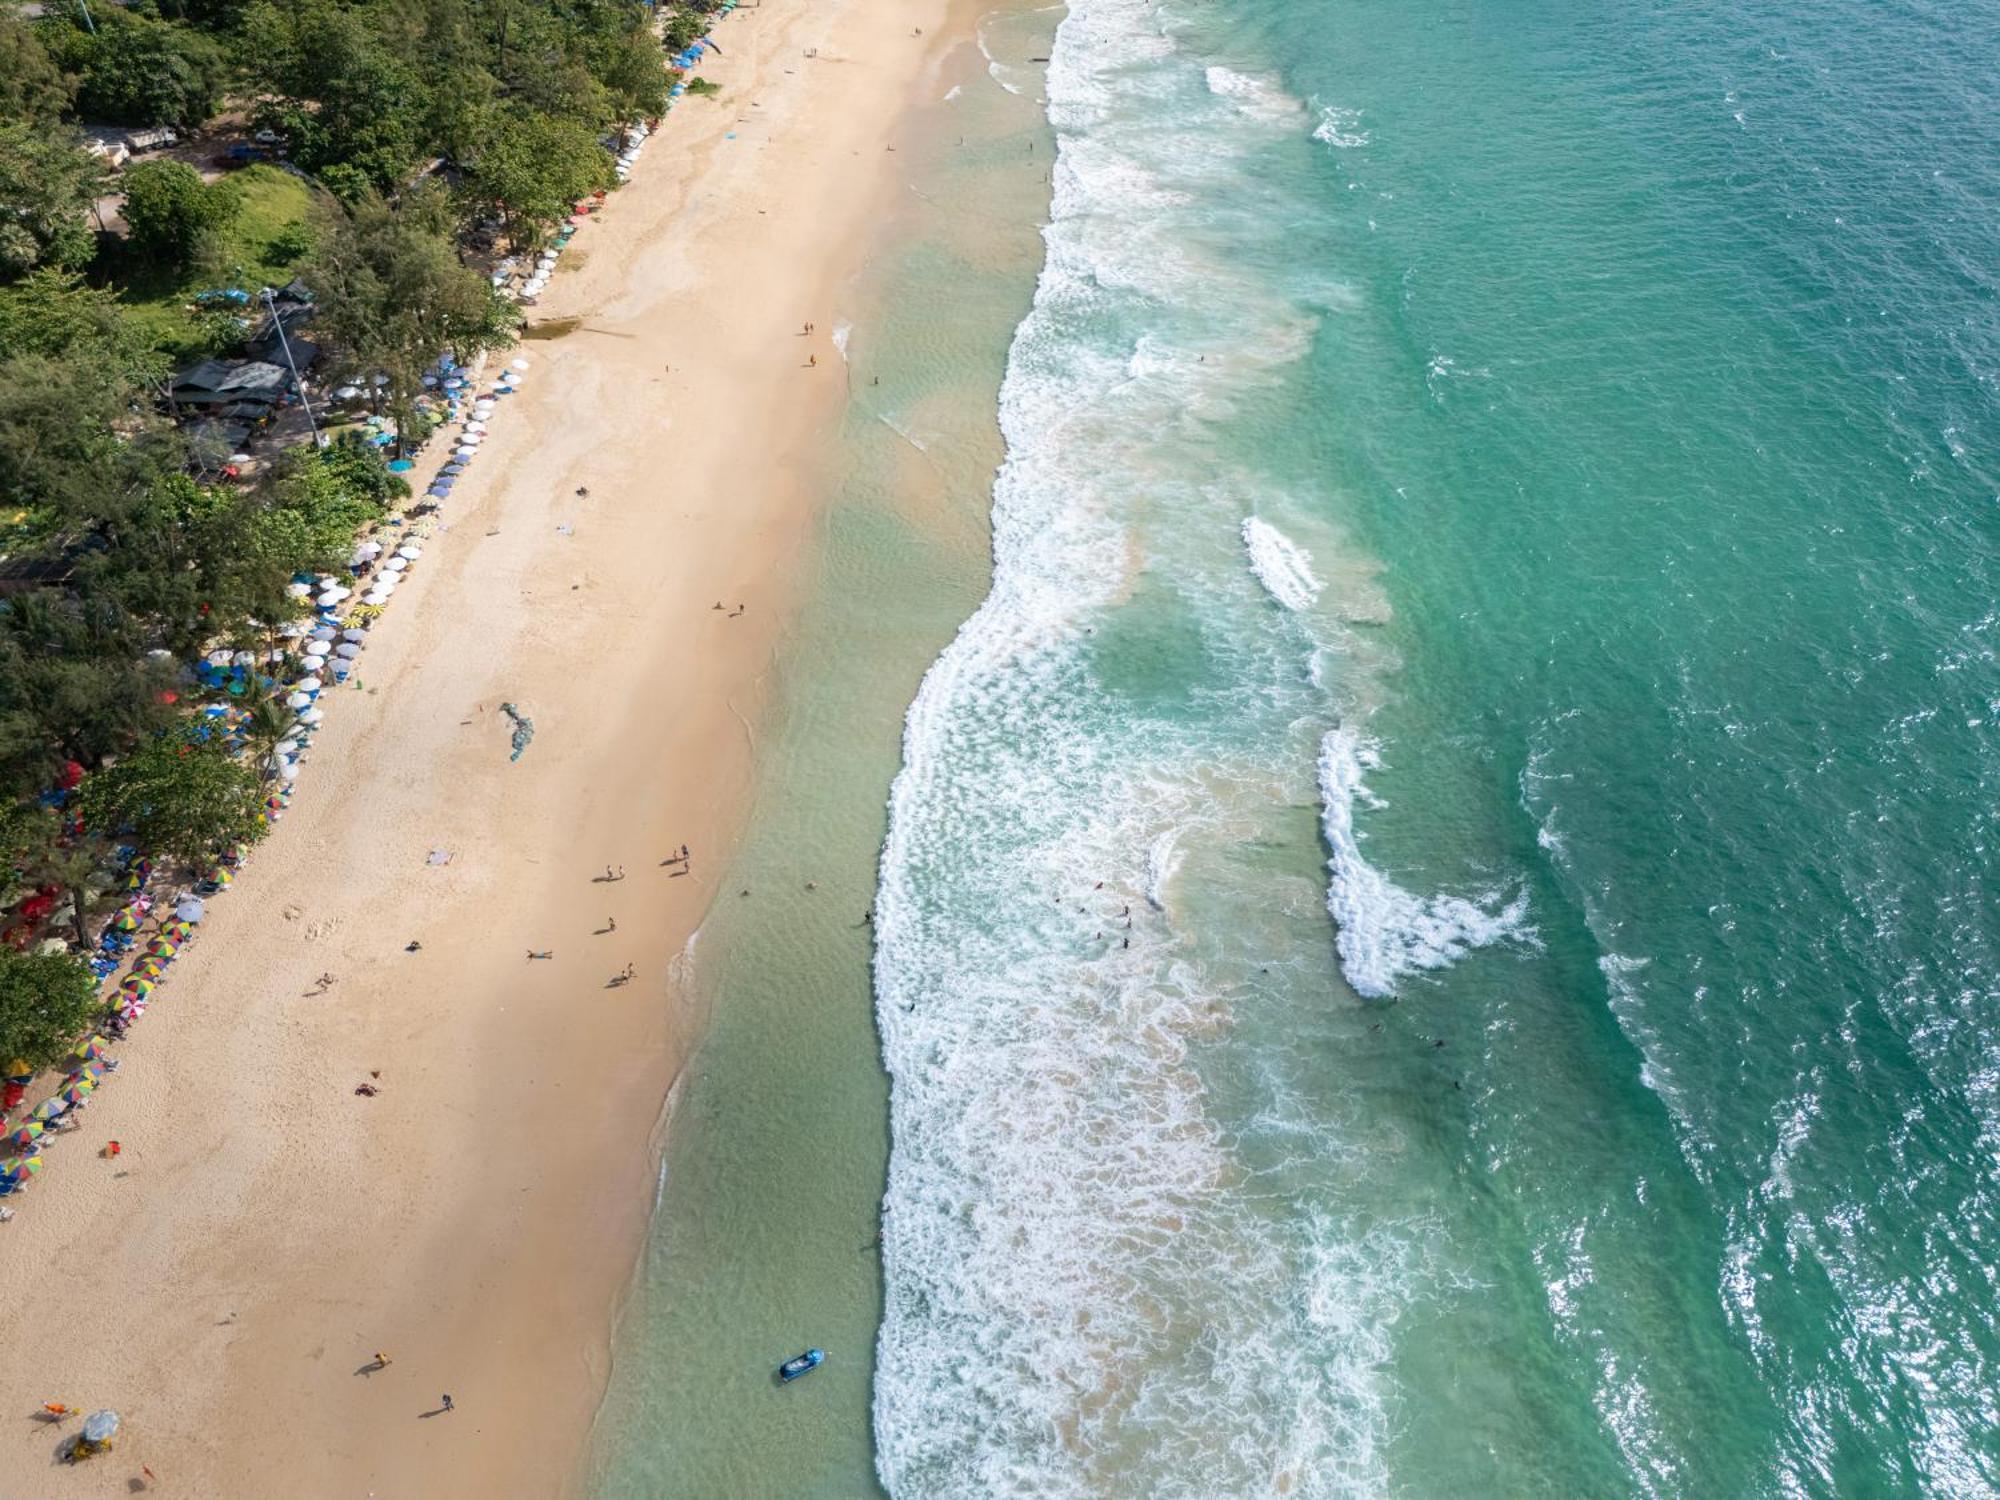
(347, 650)
(21, 1168)
(299, 700)
(48, 1109)
(375, 597)
(400, 466)
(77, 1092)
(317, 648)
(150, 969)
(409, 552)
(138, 988)
(25, 1135)
(191, 910)
(126, 921)
(306, 685)
(93, 1073)
(395, 565)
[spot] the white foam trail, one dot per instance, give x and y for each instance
(841, 333)
(1385, 932)
(1340, 128)
(1256, 97)
(1163, 862)
(1281, 564)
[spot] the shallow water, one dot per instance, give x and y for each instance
(764, 1238)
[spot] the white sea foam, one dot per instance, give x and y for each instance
(1385, 932)
(1281, 564)
(841, 333)
(1258, 98)
(1340, 128)
(1085, 1292)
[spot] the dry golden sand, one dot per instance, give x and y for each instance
(224, 1282)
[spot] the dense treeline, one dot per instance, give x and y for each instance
(421, 127)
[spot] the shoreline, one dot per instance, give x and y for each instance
(266, 1231)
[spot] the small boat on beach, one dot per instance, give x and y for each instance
(792, 1369)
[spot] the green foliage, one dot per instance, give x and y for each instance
(171, 212)
(391, 293)
(48, 185)
(377, 88)
(134, 70)
(74, 684)
(180, 796)
(46, 1002)
(683, 29)
(273, 204)
(534, 167)
(292, 243)
(54, 314)
(32, 87)
(702, 88)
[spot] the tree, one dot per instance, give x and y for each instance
(534, 168)
(138, 71)
(182, 797)
(334, 89)
(171, 211)
(32, 87)
(48, 186)
(392, 295)
(53, 314)
(46, 1001)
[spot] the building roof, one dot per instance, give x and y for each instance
(217, 382)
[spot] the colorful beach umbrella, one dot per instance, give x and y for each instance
(22, 1167)
(48, 1109)
(77, 1092)
(27, 1134)
(91, 1050)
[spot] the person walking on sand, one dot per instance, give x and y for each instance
(812, 361)
(610, 924)
(381, 1360)
(446, 1399)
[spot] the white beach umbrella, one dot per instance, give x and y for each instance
(306, 684)
(246, 658)
(317, 648)
(409, 552)
(299, 700)
(352, 634)
(376, 597)
(396, 564)
(298, 590)
(519, 364)
(347, 650)
(312, 715)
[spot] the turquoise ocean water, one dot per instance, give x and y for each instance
(1436, 932)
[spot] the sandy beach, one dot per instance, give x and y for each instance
(226, 1281)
